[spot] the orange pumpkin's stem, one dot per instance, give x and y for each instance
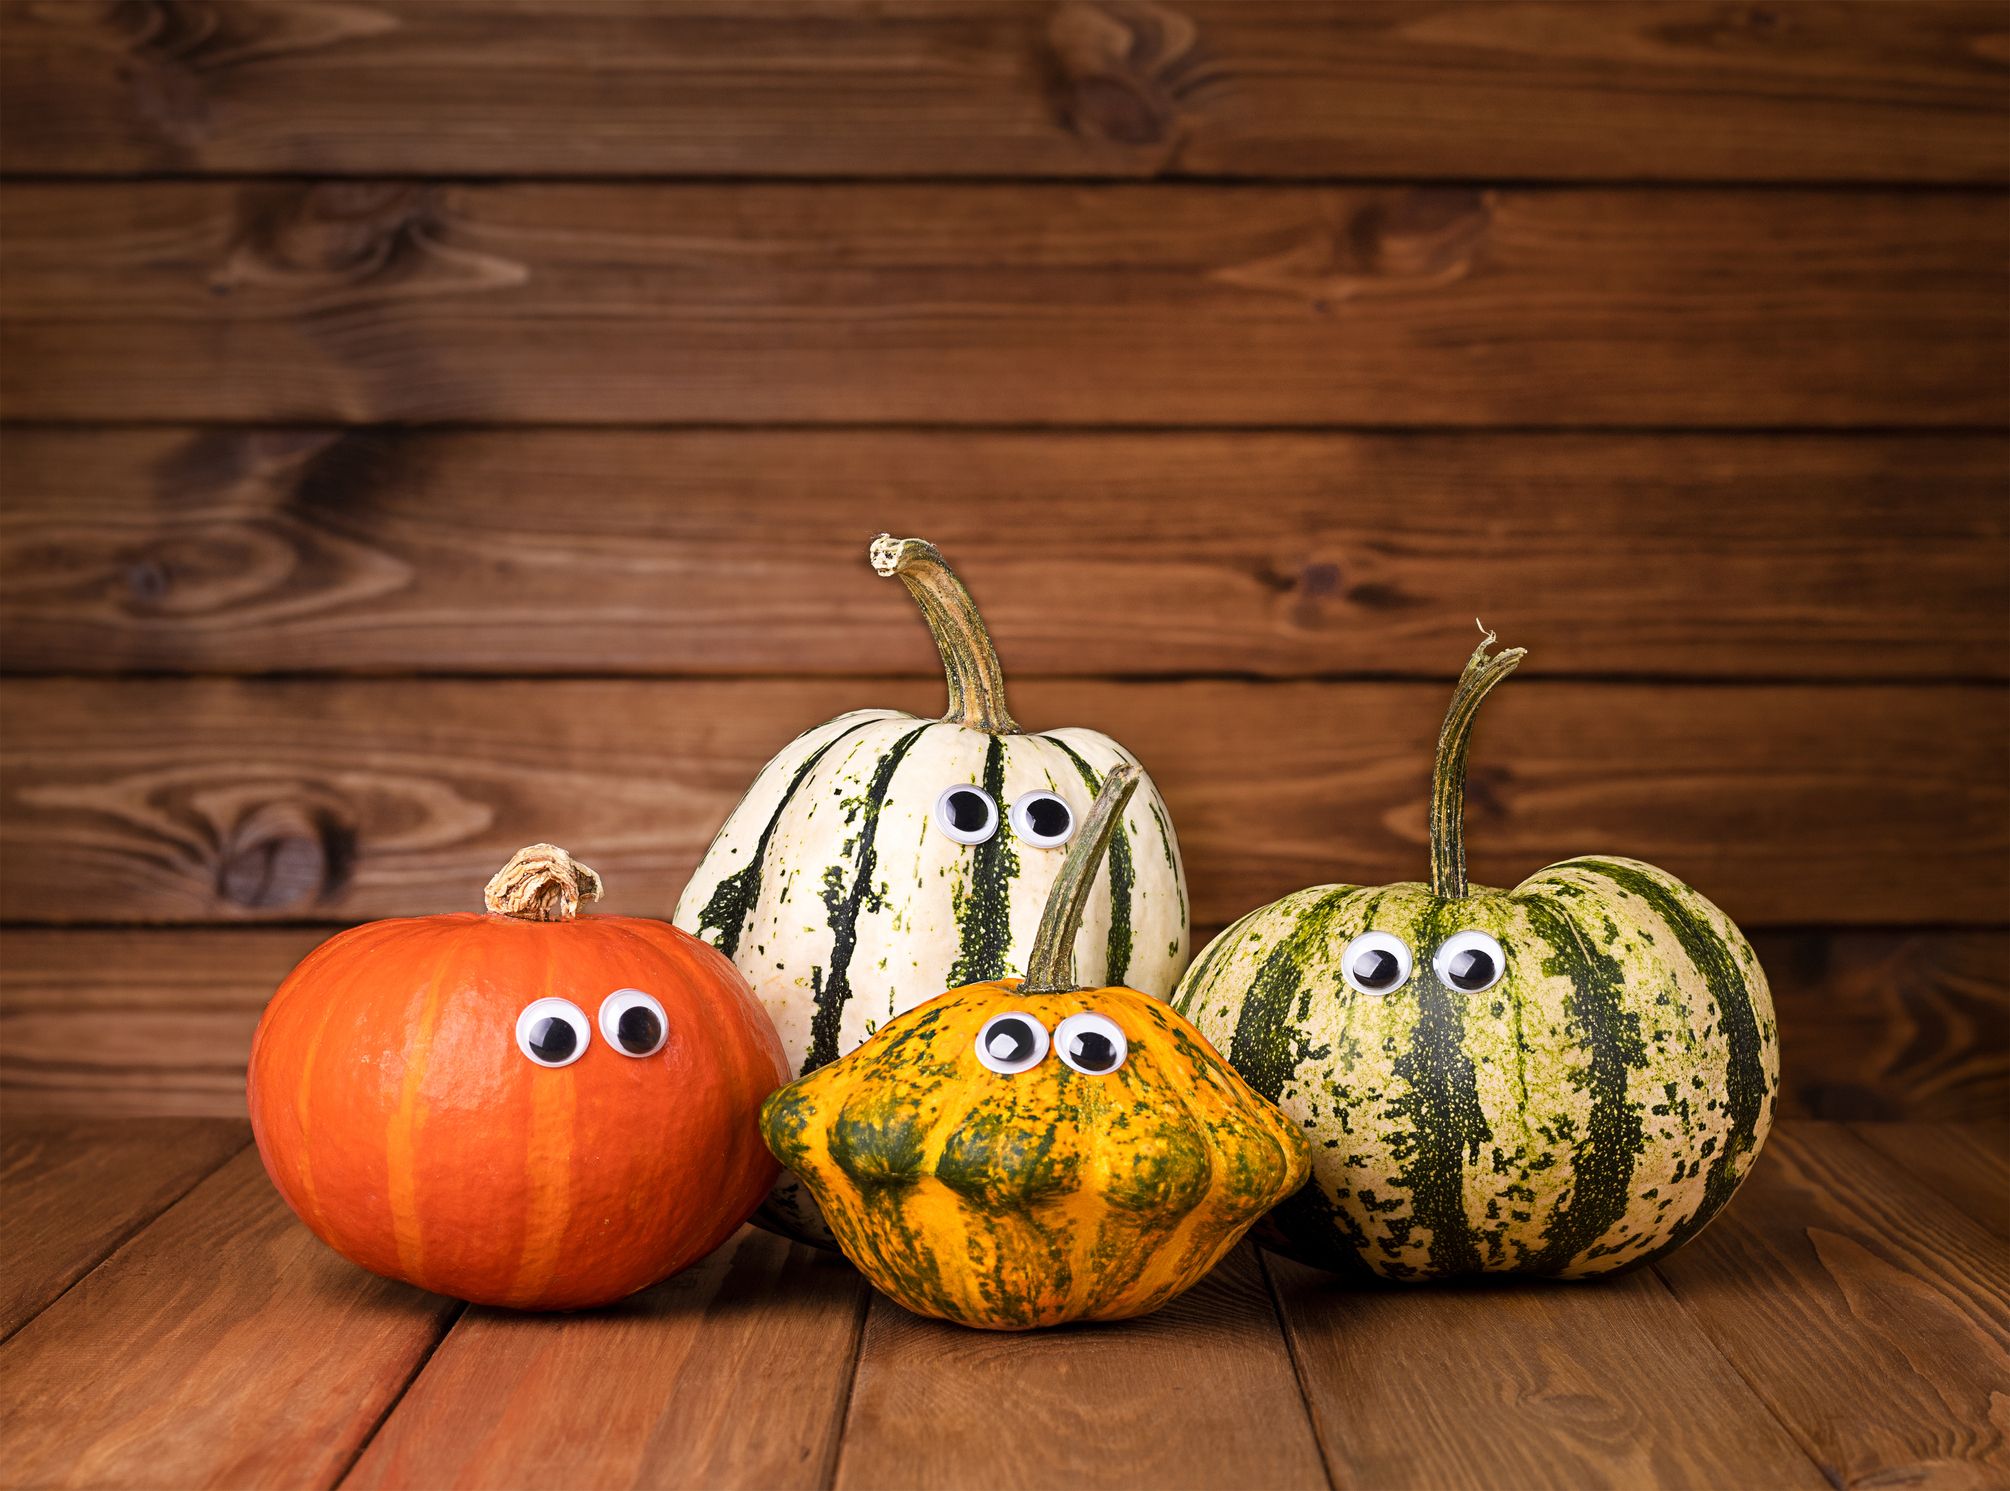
(541, 884)
(1050, 968)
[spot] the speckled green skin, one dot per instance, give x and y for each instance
(1009, 1202)
(1591, 1111)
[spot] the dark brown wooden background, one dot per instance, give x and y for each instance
(433, 427)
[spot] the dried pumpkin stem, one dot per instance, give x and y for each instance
(976, 682)
(541, 884)
(1051, 968)
(1448, 778)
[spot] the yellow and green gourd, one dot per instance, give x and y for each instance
(1566, 1078)
(881, 858)
(1019, 1153)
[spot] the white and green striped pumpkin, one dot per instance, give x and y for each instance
(882, 858)
(1567, 1078)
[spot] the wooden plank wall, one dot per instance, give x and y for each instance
(432, 427)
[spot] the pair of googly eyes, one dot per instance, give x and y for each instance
(1015, 1042)
(555, 1032)
(1377, 963)
(969, 815)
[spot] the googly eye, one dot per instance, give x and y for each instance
(966, 813)
(1376, 964)
(552, 1032)
(633, 1023)
(1092, 1044)
(1043, 820)
(1011, 1043)
(1470, 962)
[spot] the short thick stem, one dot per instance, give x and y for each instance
(1448, 778)
(1051, 967)
(976, 682)
(541, 884)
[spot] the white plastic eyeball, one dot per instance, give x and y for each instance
(552, 1032)
(1092, 1044)
(966, 813)
(633, 1023)
(1376, 963)
(1470, 962)
(1012, 1043)
(1043, 819)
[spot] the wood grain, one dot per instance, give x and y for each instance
(76, 1189)
(1968, 1163)
(723, 552)
(1846, 91)
(1200, 1394)
(868, 304)
(242, 800)
(656, 1391)
(1880, 1027)
(159, 1020)
(1524, 1385)
(1871, 1316)
(222, 1347)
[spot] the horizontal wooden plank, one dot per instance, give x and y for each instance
(221, 1347)
(77, 1188)
(1968, 1163)
(1200, 1394)
(1871, 1316)
(1887, 1024)
(1851, 91)
(520, 1401)
(700, 552)
(1145, 305)
(213, 799)
(1581, 1385)
(1877, 1026)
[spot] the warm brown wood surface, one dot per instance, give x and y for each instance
(732, 1374)
(870, 304)
(1881, 1024)
(203, 800)
(1797, 91)
(74, 1190)
(726, 552)
(1967, 1163)
(223, 1346)
(1201, 1394)
(1844, 1323)
(1486, 1386)
(1871, 1315)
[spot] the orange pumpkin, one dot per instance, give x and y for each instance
(524, 1108)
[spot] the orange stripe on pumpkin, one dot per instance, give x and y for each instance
(554, 1111)
(402, 1136)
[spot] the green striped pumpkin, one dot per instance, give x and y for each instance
(1576, 1084)
(835, 889)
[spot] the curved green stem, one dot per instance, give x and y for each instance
(1448, 778)
(976, 682)
(1051, 968)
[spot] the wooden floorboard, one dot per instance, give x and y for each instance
(221, 1347)
(1538, 1384)
(1871, 1316)
(246, 550)
(1968, 1163)
(339, 800)
(734, 1374)
(1200, 1394)
(76, 1188)
(1853, 92)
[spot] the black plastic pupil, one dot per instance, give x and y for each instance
(968, 811)
(1377, 968)
(1048, 817)
(638, 1029)
(1093, 1051)
(553, 1039)
(1009, 1040)
(1472, 969)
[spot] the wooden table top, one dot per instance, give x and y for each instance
(168, 1323)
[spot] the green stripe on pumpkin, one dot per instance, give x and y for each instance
(984, 911)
